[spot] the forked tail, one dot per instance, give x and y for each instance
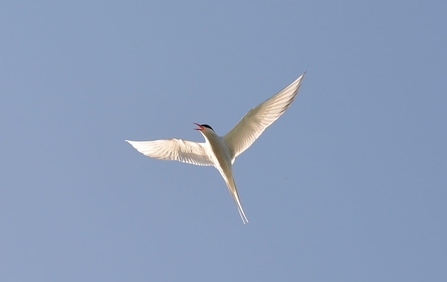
(233, 191)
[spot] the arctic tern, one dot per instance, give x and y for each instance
(221, 151)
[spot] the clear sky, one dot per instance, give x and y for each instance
(350, 184)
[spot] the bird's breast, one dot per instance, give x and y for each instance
(221, 152)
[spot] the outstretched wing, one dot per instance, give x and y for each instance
(174, 150)
(251, 126)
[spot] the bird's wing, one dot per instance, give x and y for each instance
(251, 126)
(174, 150)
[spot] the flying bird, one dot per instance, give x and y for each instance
(221, 151)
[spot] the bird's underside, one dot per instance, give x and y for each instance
(221, 152)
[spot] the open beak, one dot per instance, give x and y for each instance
(200, 127)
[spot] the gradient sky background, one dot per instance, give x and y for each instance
(350, 184)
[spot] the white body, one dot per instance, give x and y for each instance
(221, 152)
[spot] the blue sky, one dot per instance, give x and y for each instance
(348, 185)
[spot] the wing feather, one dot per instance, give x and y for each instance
(251, 126)
(174, 150)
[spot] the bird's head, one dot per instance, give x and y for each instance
(204, 128)
(207, 131)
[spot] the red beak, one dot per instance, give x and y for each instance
(200, 127)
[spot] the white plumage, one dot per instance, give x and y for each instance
(221, 152)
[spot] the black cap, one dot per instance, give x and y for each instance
(207, 126)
